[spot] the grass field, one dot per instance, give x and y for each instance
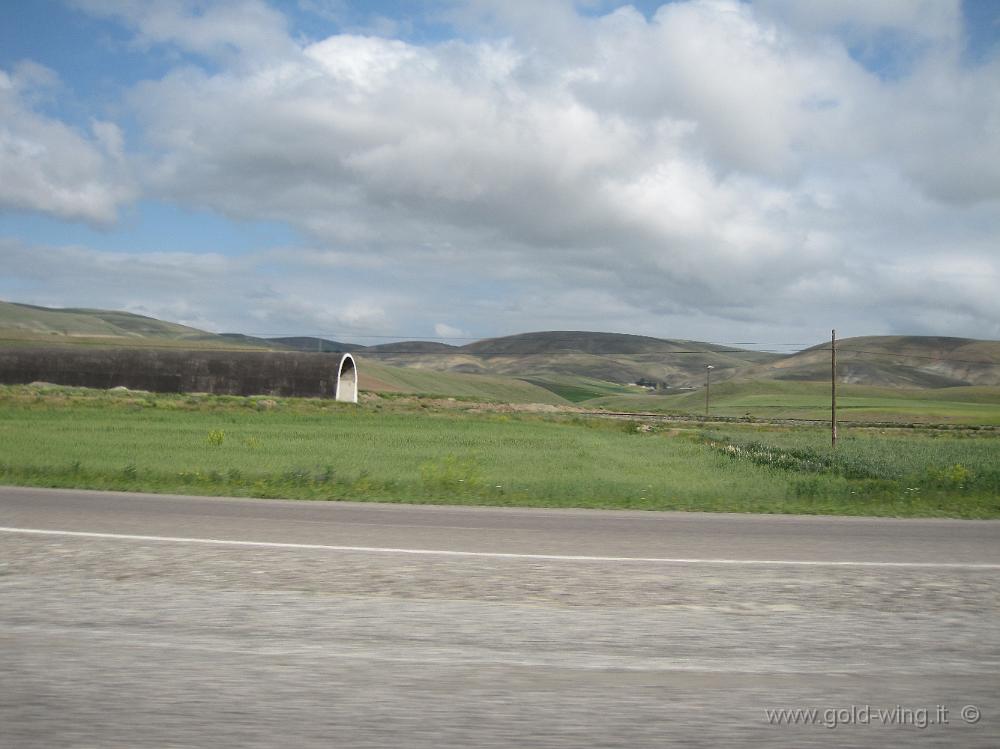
(580, 389)
(772, 399)
(385, 378)
(416, 450)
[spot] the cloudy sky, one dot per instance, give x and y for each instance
(706, 169)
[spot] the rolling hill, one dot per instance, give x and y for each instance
(892, 361)
(310, 343)
(562, 358)
(48, 331)
(556, 355)
(574, 366)
(30, 324)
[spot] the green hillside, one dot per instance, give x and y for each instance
(383, 378)
(614, 358)
(898, 361)
(312, 343)
(560, 359)
(571, 366)
(25, 324)
(580, 389)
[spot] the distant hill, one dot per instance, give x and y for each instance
(539, 357)
(561, 359)
(412, 347)
(601, 344)
(30, 320)
(311, 343)
(30, 324)
(610, 357)
(572, 364)
(49, 332)
(891, 361)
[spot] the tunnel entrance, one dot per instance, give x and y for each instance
(347, 380)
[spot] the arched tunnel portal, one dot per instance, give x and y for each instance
(347, 380)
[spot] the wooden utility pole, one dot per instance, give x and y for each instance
(833, 388)
(708, 385)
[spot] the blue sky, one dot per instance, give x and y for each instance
(706, 169)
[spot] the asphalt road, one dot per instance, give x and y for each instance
(151, 621)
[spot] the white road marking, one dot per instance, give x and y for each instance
(496, 554)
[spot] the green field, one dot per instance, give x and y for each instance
(581, 389)
(772, 399)
(385, 378)
(419, 450)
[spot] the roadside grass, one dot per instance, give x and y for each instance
(417, 450)
(909, 464)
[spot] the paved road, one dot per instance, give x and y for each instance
(110, 640)
(672, 535)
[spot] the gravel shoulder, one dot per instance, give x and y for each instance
(109, 643)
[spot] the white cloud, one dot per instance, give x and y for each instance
(718, 164)
(50, 167)
(205, 290)
(924, 19)
(223, 30)
(443, 330)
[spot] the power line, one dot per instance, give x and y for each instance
(912, 356)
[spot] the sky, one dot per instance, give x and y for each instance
(715, 170)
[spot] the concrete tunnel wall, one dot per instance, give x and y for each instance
(221, 372)
(347, 380)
